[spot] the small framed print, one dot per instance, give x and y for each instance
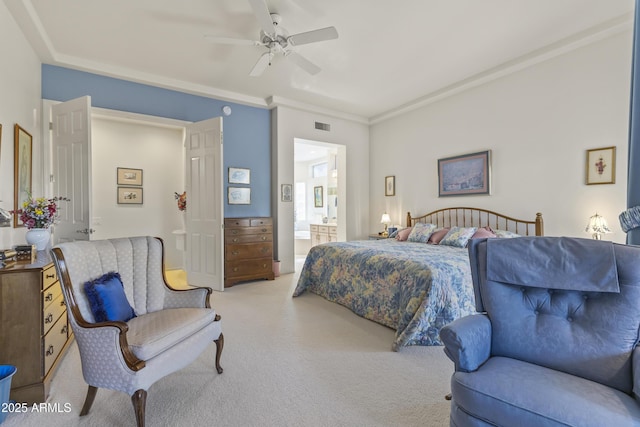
(239, 176)
(286, 192)
(239, 196)
(129, 195)
(601, 166)
(390, 185)
(128, 176)
(318, 201)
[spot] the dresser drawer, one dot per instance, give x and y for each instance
(52, 313)
(250, 267)
(248, 238)
(54, 341)
(237, 222)
(50, 294)
(257, 222)
(49, 276)
(232, 232)
(257, 250)
(313, 228)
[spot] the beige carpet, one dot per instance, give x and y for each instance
(287, 362)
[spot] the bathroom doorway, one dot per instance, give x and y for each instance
(318, 193)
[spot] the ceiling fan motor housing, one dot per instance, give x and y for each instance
(280, 36)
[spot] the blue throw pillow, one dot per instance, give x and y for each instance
(107, 299)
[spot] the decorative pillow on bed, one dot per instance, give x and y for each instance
(437, 235)
(504, 234)
(402, 235)
(483, 232)
(458, 236)
(421, 232)
(107, 299)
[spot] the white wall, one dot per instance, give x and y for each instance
(158, 151)
(19, 103)
(286, 125)
(538, 122)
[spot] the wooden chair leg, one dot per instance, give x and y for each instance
(139, 400)
(219, 345)
(88, 401)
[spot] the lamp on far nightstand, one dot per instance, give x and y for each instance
(386, 220)
(597, 226)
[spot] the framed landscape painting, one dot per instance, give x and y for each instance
(464, 175)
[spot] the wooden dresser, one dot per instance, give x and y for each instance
(323, 233)
(248, 249)
(34, 331)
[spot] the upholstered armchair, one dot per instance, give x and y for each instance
(131, 327)
(555, 340)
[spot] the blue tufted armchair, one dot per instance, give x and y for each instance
(555, 340)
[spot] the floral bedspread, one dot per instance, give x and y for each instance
(414, 288)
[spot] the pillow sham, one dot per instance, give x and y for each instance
(458, 236)
(421, 233)
(483, 232)
(438, 235)
(107, 299)
(403, 235)
(504, 234)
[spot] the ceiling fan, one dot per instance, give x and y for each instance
(278, 40)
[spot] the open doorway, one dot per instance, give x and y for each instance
(318, 194)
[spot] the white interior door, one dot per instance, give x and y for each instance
(205, 211)
(71, 157)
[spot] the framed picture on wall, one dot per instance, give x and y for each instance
(390, 185)
(318, 201)
(129, 195)
(128, 176)
(239, 176)
(601, 166)
(465, 175)
(21, 169)
(239, 195)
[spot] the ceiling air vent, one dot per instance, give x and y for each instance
(323, 126)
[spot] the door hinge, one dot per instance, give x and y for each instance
(51, 178)
(50, 125)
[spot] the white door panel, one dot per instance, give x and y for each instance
(205, 213)
(71, 152)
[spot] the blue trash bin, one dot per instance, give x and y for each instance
(6, 372)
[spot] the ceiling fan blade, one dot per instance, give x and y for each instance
(228, 40)
(263, 62)
(322, 34)
(304, 63)
(261, 11)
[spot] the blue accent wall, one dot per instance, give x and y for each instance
(247, 131)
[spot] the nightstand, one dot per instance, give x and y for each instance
(377, 237)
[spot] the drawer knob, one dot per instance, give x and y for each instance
(264, 230)
(62, 304)
(234, 252)
(48, 297)
(235, 269)
(264, 250)
(264, 265)
(235, 240)
(264, 237)
(63, 330)
(49, 318)
(234, 231)
(50, 350)
(50, 276)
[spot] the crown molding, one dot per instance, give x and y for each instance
(278, 101)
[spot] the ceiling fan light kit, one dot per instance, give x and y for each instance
(278, 41)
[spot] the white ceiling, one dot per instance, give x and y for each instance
(388, 57)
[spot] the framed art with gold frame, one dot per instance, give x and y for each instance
(601, 166)
(22, 158)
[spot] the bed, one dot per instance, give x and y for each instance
(413, 288)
